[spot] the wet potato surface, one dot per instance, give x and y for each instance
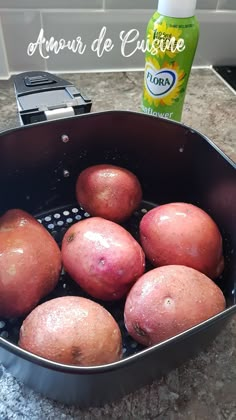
(57, 223)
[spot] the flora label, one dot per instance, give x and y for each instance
(159, 82)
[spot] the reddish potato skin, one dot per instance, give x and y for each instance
(108, 191)
(30, 263)
(169, 300)
(102, 257)
(182, 234)
(72, 330)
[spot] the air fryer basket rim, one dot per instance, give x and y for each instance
(121, 112)
(12, 348)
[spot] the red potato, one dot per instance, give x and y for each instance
(72, 330)
(169, 300)
(30, 263)
(183, 234)
(108, 191)
(102, 257)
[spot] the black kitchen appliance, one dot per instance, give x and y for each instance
(43, 96)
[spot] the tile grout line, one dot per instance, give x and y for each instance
(102, 9)
(109, 70)
(207, 66)
(55, 10)
(41, 23)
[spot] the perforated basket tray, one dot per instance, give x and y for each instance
(39, 165)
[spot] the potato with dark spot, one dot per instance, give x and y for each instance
(183, 234)
(72, 330)
(30, 263)
(108, 191)
(169, 300)
(102, 257)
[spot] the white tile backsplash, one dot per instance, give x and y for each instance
(215, 44)
(217, 33)
(19, 28)
(131, 4)
(88, 26)
(51, 4)
(152, 4)
(227, 4)
(206, 4)
(98, 4)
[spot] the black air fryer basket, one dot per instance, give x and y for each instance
(39, 165)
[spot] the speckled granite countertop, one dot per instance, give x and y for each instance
(204, 388)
